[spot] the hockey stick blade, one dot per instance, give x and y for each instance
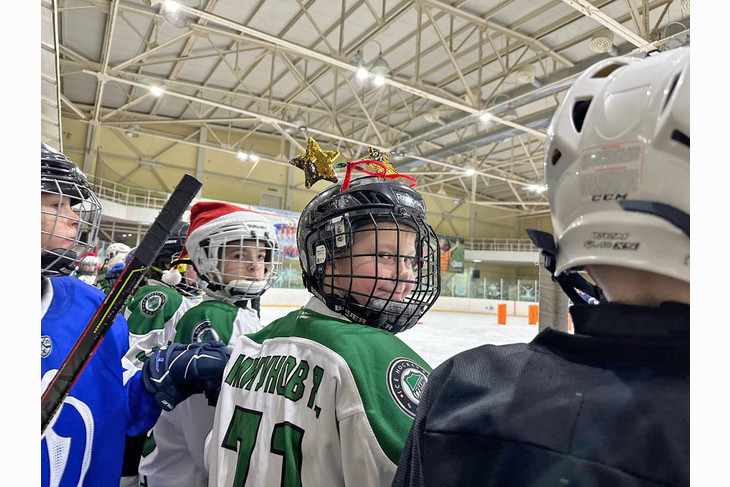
(123, 287)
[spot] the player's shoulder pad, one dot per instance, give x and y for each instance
(209, 320)
(153, 303)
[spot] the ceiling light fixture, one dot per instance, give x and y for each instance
(171, 13)
(510, 114)
(432, 115)
(247, 155)
(397, 155)
(602, 42)
(380, 66)
(131, 131)
(378, 70)
(536, 188)
(485, 121)
(299, 122)
(157, 90)
(362, 72)
(503, 99)
(671, 29)
(526, 74)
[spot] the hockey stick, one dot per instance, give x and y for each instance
(110, 307)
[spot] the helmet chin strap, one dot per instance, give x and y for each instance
(568, 282)
(249, 286)
(231, 293)
(59, 260)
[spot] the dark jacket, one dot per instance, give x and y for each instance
(608, 405)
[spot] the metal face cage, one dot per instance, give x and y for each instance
(379, 269)
(59, 251)
(233, 266)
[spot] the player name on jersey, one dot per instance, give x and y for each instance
(277, 374)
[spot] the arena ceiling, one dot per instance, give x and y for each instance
(288, 69)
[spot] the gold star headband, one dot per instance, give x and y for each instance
(317, 164)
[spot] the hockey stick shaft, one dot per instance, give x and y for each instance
(112, 304)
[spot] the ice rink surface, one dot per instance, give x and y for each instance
(440, 335)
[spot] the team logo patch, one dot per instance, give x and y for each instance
(406, 380)
(204, 332)
(152, 303)
(45, 346)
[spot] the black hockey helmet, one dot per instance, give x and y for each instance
(327, 228)
(171, 249)
(58, 172)
(61, 177)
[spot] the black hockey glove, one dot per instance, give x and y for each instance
(174, 373)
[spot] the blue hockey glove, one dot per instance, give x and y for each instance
(175, 372)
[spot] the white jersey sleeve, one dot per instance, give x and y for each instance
(179, 435)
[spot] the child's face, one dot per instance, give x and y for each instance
(393, 258)
(244, 260)
(64, 232)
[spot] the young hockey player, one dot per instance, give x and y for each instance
(88, 268)
(113, 265)
(236, 255)
(608, 405)
(326, 395)
(83, 443)
(157, 306)
(152, 315)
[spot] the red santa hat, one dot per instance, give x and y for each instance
(204, 216)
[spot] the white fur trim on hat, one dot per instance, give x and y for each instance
(172, 277)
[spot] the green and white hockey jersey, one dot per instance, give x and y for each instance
(152, 316)
(315, 400)
(174, 454)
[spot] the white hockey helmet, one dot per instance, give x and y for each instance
(116, 253)
(617, 166)
(89, 264)
(216, 225)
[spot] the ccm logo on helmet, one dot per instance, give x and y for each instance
(609, 197)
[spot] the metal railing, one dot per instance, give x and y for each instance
(502, 244)
(142, 198)
(126, 195)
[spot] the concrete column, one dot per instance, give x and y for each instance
(553, 304)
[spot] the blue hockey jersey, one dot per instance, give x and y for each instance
(84, 443)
